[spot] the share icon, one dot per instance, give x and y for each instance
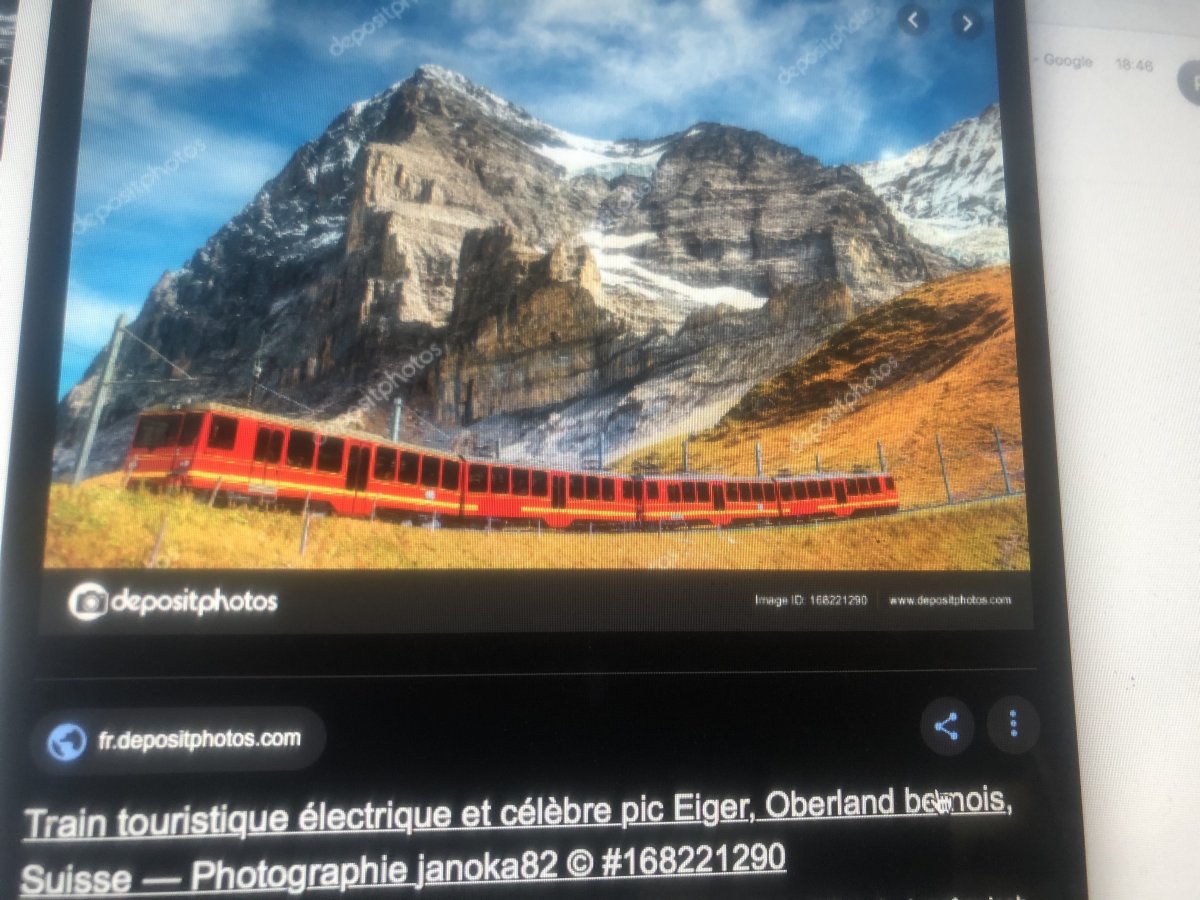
(947, 726)
(944, 726)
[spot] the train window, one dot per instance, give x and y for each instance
(262, 444)
(769, 490)
(864, 485)
(410, 464)
(785, 490)
(540, 484)
(891, 483)
(852, 487)
(450, 472)
(191, 430)
(608, 490)
(756, 491)
(874, 485)
(817, 489)
(826, 489)
(275, 453)
(593, 488)
(739, 491)
(222, 433)
(431, 471)
(689, 492)
(385, 464)
(576, 490)
(672, 493)
(477, 478)
(651, 490)
(330, 454)
(626, 490)
(155, 431)
(500, 479)
(702, 493)
(301, 447)
(521, 482)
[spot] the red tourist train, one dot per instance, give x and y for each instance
(241, 454)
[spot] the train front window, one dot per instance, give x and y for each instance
(301, 447)
(330, 455)
(891, 483)
(192, 423)
(262, 444)
(222, 433)
(156, 431)
(385, 464)
(477, 478)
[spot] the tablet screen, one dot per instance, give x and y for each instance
(539, 446)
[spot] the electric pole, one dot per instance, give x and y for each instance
(99, 398)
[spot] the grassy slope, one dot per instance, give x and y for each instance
(956, 376)
(100, 525)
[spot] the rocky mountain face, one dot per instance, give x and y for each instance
(950, 192)
(573, 287)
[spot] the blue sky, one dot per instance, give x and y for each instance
(219, 93)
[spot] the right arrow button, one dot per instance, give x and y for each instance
(967, 23)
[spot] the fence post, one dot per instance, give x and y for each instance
(882, 458)
(942, 462)
(158, 542)
(1003, 464)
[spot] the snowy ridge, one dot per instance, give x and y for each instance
(627, 271)
(950, 192)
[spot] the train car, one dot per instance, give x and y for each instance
(682, 500)
(837, 495)
(239, 454)
(506, 493)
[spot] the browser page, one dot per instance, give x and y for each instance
(538, 448)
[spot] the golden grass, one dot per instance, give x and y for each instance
(99, 525)
(954, 374)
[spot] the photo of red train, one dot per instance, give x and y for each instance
(244, 455)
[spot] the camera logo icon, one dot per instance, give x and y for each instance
(88, 602)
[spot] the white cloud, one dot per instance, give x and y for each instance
(174, 38)
(90, 316)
